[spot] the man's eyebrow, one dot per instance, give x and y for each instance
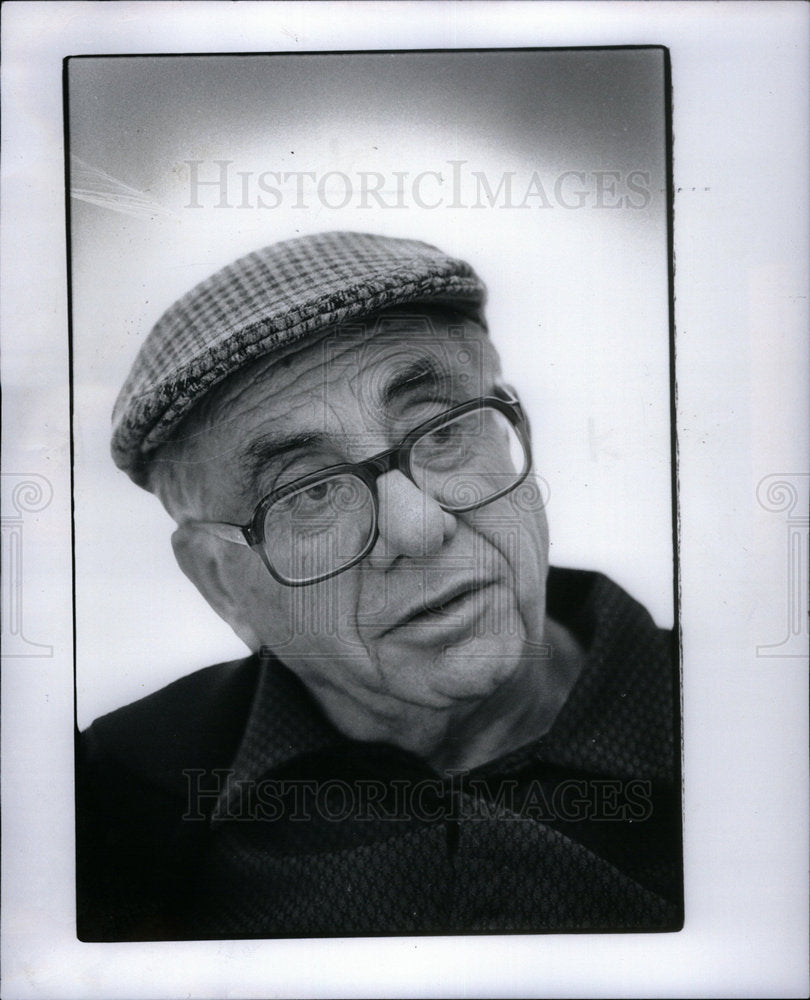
(417, 375)
(261, 452)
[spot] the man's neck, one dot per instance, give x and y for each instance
(465, 736)
(518, 712)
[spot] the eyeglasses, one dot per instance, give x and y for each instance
(324, 523)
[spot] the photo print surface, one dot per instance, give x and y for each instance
(375, 572)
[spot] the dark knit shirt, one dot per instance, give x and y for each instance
(227, 805)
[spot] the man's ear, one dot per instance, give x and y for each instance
(208, 563)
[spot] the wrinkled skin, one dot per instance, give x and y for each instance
(459, 684)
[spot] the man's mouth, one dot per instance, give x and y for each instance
(436, 610)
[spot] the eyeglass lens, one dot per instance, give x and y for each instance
(464, 463)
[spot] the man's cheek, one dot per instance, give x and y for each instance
(273, 610)
(516, 542)
(520, 538)
(531, 572)
(320, 616)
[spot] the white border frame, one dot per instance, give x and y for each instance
(741, 157)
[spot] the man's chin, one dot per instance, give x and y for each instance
(469, 670)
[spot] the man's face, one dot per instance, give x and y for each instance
(446, 608)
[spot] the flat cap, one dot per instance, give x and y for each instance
(289, 291)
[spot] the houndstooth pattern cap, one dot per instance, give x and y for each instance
(274, 297)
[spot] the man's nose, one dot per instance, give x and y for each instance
(411, 523)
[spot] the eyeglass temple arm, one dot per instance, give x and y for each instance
(508, 391)
(227, 532)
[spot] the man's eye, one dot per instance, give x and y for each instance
(444, 439)
(445, 447)
(303, 500)
(316, 492)
(446, 435)
(317, 499)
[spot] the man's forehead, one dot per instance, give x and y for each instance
(371, 360)
(400, 350)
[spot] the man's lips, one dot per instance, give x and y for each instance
(425, 610)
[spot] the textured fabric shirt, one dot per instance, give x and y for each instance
(227, 805)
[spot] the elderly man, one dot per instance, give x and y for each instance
(434, 731)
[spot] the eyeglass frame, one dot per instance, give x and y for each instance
(503, 398)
